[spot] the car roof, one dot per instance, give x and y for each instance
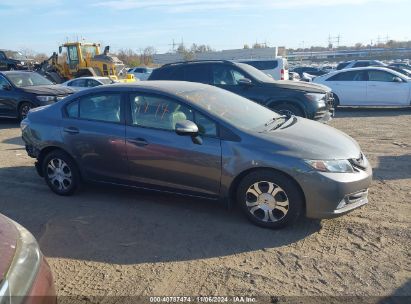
(17, 72)
(326, 76)
(162, 86)
(197, 62)
(90, 77)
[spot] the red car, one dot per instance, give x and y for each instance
(25, 276)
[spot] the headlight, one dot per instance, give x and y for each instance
(46, 98)
(336, 166)
(22, 62)
(315, 96)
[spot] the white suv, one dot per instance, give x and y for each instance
(276, 68)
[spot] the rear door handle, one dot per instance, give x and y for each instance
(138, 142)
(71, 130)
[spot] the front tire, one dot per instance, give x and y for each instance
(24, 109)
(288, 110)
(270, 199)
(61, 173)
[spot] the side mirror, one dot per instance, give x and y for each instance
(189, 128)
(245, 82)
(60, 49)
(7, 87)
(397, 79)
(186, 127)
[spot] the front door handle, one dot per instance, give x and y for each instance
(71, 130)
(141, 142)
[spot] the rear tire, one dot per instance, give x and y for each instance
(288, 109)
(24, 109)
(61, 173)
(270, 199)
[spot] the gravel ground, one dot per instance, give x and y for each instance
(119, 242)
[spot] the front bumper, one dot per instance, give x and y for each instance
(325, 110)
(330, 195)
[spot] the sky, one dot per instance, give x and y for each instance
(42, 25)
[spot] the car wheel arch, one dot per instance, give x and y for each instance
(236, 181)
(47, 150)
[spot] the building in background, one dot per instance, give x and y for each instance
(236, 54)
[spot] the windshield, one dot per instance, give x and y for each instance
(234, 109)
(25, 79)
(257, 74)
(89, 50)
(15, 55)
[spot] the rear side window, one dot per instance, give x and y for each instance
(168, 73)
(349, 76)
(100, 107)
(197, 73)
(263, 64)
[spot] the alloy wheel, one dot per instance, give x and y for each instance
(267, 201)
(59, 174)
(24, 110)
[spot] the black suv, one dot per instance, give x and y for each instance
(286, 97)
(12, 60)
(21, 91)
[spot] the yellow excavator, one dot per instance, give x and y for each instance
(84, 59)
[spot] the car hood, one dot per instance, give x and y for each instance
(307, 139)
(300, 86)
(52, 90)
(8, 241)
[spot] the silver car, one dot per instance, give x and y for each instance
(83, 83)
(201, 141)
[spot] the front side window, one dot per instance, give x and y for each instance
(381, 76)
(158, 112)
(2, 56)
(225, 75)
(104, 107)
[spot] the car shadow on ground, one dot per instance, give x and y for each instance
(393, 167)
(343, 112)
(126, 226)
(8, 123)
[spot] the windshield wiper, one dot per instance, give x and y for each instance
(274, 119)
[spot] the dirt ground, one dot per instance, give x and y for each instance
(116, 242)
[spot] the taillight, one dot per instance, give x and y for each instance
(282, 74)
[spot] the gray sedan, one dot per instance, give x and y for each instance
(201, 141)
